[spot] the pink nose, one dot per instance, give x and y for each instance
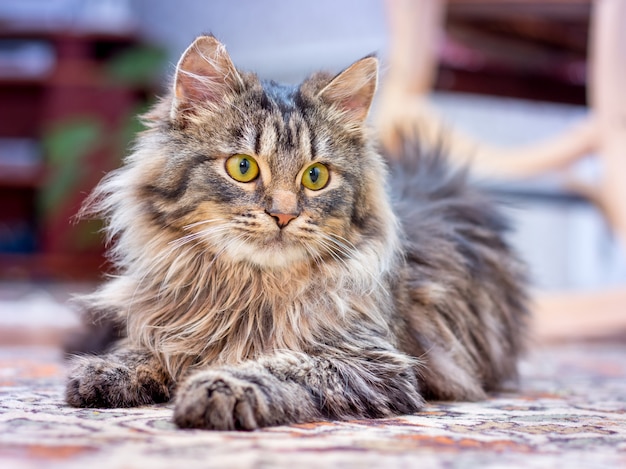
(283, 219)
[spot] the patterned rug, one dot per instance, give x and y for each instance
(569, 413)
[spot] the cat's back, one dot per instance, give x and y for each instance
(429, 193)
(463, 287)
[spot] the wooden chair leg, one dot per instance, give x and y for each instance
(414, 31)
(607, 95)
(599, 313)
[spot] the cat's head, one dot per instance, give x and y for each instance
(260, 172)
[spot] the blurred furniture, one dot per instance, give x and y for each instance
(415, 29)
(531, 49)
(68, 101)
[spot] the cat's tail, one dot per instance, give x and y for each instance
(425, 171)
(454, 241)
(427, 186)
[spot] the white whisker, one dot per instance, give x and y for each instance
(205, 233)
(203, 222)
(330, 249)
(349, 250)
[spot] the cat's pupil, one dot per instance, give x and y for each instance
(314, 174)
(244, 166)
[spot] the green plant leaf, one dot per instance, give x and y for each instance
(139, 65)
(67, 143)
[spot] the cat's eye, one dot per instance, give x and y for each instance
(242, 168)
(315, 177)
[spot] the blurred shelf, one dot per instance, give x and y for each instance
(554, 9)
(521, 48)
(30, 176)
(58, 266)
(65, 123)
(37, 31)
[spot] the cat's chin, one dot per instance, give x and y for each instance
(272, 255)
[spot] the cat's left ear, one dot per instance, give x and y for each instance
(352, 90)
(205, 74)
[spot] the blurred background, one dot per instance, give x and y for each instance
(74, 74)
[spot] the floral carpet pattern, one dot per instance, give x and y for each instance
(570, 411)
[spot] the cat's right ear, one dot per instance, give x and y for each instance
(352, 91)
(205, 74)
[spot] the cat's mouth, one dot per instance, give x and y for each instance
(279, 243)
(279, 238)
(278, 249)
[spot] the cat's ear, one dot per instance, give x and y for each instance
(204, 75)
(352, 90)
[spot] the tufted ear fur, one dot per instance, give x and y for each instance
(204, 75)
(352, 90)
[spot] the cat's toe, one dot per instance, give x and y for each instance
(216, 400)
(73, 394)
(93, 382)
(98, 383)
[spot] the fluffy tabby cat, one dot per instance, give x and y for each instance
(266, 276)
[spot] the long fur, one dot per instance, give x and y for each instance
(463, 291)
(368, 301)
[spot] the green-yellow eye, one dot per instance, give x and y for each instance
(315, 177)
(242, 168)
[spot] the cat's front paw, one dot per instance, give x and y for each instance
(217, 400)
(97, 382)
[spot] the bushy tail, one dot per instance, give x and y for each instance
(468, 305)
(425, 182)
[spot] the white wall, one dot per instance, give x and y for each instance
(279, 39)
(567, 244)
